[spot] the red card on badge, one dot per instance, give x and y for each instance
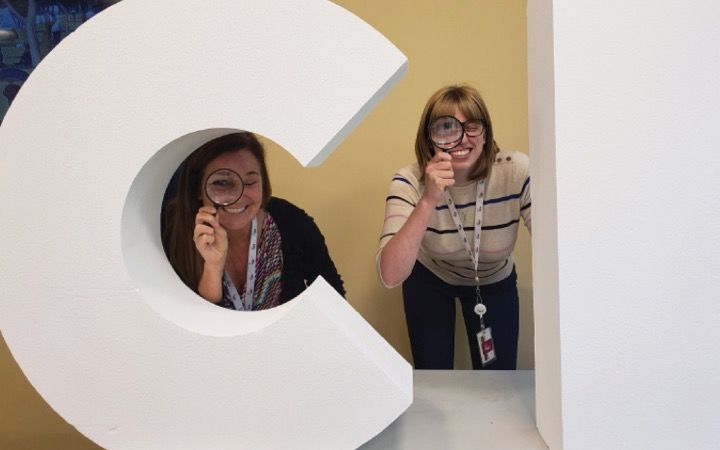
(486, 346)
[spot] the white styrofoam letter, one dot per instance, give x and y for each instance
(90, 306)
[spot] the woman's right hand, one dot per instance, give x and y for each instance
(210, 238)
(438, 176)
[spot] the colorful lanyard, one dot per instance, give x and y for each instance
(474, 252)
(245, 302)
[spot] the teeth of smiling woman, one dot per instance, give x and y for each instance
(460, 152)
(235, 210)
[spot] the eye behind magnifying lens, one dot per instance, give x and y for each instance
(224, 187)
(446, 132)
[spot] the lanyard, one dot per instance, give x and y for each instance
(475, 251)
(245, 302)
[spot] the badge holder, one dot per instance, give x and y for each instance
(486, 345)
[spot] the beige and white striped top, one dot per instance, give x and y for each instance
(507, 198)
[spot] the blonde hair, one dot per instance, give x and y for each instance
(468, 101)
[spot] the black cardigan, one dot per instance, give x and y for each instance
(305, 255)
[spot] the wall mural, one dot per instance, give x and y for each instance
(29, 30)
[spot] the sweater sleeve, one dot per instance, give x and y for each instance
(305, 253)
(317, 257)
(403, 194)
(523, 176)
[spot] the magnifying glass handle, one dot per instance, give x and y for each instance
(217, 207)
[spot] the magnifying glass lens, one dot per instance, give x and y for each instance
(446, 132)
(224, 187)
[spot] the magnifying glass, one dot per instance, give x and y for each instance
(224, 187)
(446, 132)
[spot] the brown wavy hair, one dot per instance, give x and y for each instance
(443, 103)
(179, 212)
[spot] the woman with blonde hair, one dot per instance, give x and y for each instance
(451, 224)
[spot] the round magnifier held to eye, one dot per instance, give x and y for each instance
(446, 132)
(224, 187)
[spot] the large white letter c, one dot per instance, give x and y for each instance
(91, 309)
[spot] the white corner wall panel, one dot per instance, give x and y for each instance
(636, 129)
(543, 177)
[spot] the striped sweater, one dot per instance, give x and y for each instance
(507, 198)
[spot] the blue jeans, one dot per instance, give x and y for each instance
(430, 314)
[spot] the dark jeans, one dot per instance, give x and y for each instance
(430, 314)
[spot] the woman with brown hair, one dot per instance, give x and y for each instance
(252, 252)
(451, 223)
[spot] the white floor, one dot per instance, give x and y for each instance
(464, 409)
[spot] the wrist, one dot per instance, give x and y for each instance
(427, 202)
(213, 269)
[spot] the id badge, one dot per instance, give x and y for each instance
(486, 346)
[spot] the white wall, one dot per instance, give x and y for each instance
(636, 126)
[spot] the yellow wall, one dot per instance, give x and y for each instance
(481, 42)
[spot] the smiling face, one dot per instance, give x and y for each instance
(466, 154)
(238, 215)
(473, 156)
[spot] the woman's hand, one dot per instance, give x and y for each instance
(210, 239)
(438, 176)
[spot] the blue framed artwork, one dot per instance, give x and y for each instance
(29, 30)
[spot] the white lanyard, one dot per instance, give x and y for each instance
(475, 251)
(245, 302)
